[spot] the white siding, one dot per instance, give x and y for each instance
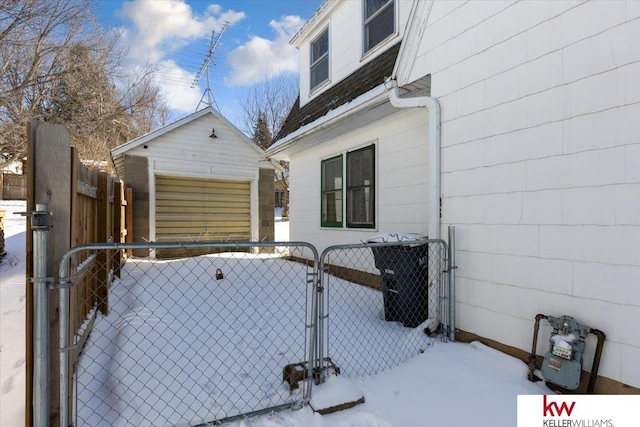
(345, 44)
(188, 151)
(541, 165)
(401, 181)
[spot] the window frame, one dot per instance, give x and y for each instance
(345, 190)
(367, 20)
(332, 224)
(371, 186)
(314, 64)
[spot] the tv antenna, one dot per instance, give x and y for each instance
(213, 44)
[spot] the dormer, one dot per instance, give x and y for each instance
(343, 36)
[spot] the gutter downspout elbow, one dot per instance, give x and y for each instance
(433, 107)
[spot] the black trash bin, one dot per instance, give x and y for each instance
(405, 276)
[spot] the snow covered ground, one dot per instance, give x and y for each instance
(12, 317)
(451, 384)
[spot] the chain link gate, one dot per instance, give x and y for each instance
(382, 303)
(206, 339)
(189, 341)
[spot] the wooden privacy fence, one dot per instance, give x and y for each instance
(13, 186)
(87, 206)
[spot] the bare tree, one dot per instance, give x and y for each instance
(271, 98)
(58, 65)
(265, 107)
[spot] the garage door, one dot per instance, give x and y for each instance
(202, 209)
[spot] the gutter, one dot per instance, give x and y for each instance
(433, 107)
(365, 101)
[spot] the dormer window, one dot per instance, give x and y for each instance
(320, 60)
(379, 22)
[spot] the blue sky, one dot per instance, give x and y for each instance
(175, 36)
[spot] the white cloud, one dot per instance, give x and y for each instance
(156, 29)
(176, 85)
(261, 58)
(163, 26)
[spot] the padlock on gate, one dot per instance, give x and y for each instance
(219, 275)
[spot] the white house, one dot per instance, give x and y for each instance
(518, 122)
(198, 179)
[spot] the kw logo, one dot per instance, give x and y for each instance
(549, 408)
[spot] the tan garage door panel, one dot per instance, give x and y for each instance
(202, 209)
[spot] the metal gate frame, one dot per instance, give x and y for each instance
(322, 361)
(316, 325)
(67, 281)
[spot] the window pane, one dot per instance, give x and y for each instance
(361, 188)
(332, 207)
(331, 203)
(360, 206)
(320, 72)
(332, 174)
(320, 46)
(379, 28)
(372, 6)
(360, 168)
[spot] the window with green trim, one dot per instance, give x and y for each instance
(331, 192)
(361, 188)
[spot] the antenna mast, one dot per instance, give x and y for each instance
(213, 44)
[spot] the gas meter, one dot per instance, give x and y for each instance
(562, 364)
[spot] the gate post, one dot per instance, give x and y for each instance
(452, 282)
(40, 225)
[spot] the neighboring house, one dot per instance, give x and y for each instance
(198, 179)
(534, 110)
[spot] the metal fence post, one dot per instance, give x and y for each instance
(452, 283)
(40, 225)
(313, 340)
(63, 342)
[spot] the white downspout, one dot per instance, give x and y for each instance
(433, 107)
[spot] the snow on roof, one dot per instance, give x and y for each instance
(364, 80)
(330, 115)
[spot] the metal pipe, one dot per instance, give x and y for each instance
(452, 283)
(593, 377)
(314, 328)
(532, 356)
(40, 229)
(64, 347)
(433, 143)
(321, 319)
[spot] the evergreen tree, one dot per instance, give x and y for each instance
(261, 133)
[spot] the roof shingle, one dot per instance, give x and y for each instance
(357, 83)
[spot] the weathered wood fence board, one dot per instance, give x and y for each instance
(2, 248)
(13, 186)
(87, 206)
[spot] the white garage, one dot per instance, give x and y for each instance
(198, 179)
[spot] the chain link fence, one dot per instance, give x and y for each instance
(188, 341)
(383, 303)
(200, 340)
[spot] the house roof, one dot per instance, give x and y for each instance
(187, 119)
(321, 14)
(361, 81)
